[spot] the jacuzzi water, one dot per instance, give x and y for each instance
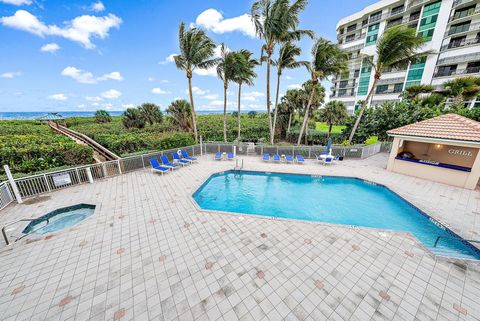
(60, 219)
(336, 200)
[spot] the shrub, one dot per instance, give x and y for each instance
(133, 118)
(102, 116)
(372, 140)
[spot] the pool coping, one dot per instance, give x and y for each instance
(409, 234)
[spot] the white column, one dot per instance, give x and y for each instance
(13, 184)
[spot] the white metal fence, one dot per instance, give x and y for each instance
(52, 181)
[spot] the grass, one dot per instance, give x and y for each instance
(323, 127)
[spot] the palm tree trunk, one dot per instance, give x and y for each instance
(268, 97)
(329, 130)
(225, 113)
(238, 116)
(194, 117)
(362, 109)
(276, 110)
(305, 119)
(289, 122)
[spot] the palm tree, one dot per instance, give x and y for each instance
(413, 91)
(396, 48)
(291, 101)
(180, 114)
(102, 116)
(196, 51)
(334, 113)
(133, 118)
(286, 60)
(276, 21)
(311, 96)
(327, 59)
(245, 75)
(226, 71)
(462, 89)
(151, 113)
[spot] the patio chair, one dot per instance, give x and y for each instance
(266, 157)
(185, 156)
(166, 163)
(157, 168)
(178, 160)
(328, 161)
(276, 158)
(289, 159)
(218, 156)
(300, 159)
(230, 156)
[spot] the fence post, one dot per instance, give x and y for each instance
(13, 184)
(89, 175)
(119, 167)
(46, 182)
(234, 150)
(201, 146)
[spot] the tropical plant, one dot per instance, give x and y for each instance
(396, 48)
(133, 118)
(312, 97)
(252, 114)
(286, 60)
(334, 113)
(327, 59)
(151, 113)
(292, 101)
(102, 116)
(180, 114)
(226, 71)
(244, 75)
(275, 22)
(462, 89)
(196, 51)
(414, 91)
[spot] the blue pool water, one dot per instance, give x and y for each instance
(60, 219)
(336, 200)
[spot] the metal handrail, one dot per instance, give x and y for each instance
(453, 238)
(4, 234)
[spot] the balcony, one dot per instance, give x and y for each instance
(464, 14)
(356, 37)
(395, 11)
(460, 44)
(462, 28)
(457, 3)
(459, 59)
(461, 72)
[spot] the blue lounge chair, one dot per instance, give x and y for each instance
(230, 156)
(266, 157)
(276, 158)
(156, 166)
(167, 163)
(179, 160)
(328, 161)
(185, 155)
(300, 159)
(289, 159)
(218, 156)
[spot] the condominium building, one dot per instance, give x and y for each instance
(451, 29)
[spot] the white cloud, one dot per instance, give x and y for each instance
(17, 2)
(197, 91)
(165, 81)
(213, 20)
(211, 97)
(288, 77)
(93, 98)
(159, 91)
(107, 106)
(97, 6)
(59, 97)
(86, 77)
(252, 96)
(111, 94)
(150, 79)
(81, 106)
(294, 86)
(212, 71)
(10, 74)
(128, 106)
(50, 47)
(81, 29)
(168, 59)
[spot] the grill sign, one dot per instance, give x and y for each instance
(460, 152)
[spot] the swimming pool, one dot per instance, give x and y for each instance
(338, 200)
(59, 219)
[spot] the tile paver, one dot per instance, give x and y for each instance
(148, 252)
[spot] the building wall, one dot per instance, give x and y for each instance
(432, 21)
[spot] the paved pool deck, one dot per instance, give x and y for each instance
(149, 253)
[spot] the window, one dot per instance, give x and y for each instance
(362, 91)
(381, 89)
(428, 23)
(465, 12)
(415, 74)
(394, 22)
(397, 10)
(341, 31)
(356, 73)
(432, 8)
(364, 81)
(398, 88)
(473, 67)
(457, 42)
(444, 71)
(343, 83)
(373, 27)
(350, 38)
(375, 16)
(414, 16)
(371, 40)
(364, 22)
(342, 92)
(460, 27)
(351, 27)
(428, 34)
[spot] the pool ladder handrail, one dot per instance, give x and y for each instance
(4, 234)
(237, 167)
(453, 238)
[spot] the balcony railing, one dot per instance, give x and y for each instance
(464, 14)
(395, 12)
(459, 44)
(459, 59)
(357, 37)
(459, 2)
(462, 28)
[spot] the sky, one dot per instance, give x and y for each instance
(89, 55)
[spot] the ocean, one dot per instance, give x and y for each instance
(35, 114)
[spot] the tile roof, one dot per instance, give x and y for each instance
(449, 126)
